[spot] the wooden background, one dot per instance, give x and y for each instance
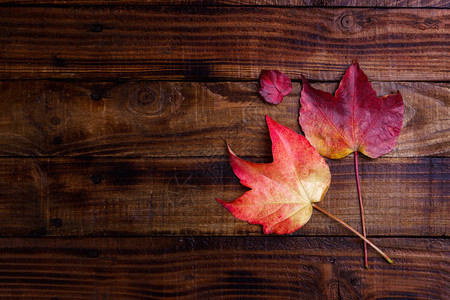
(113, 121)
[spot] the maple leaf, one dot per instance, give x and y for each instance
(353, 120)
(274, 85)
(284, 192)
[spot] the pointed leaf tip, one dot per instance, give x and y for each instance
(269, 121)
(220, 201)
(305, 83)
(230, 152)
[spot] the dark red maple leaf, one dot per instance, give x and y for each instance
(353, 120)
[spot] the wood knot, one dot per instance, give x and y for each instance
(351, 23)
(55, 121)
(149, 101)
(96, 179)
(58, 62)
(57, 141)
(145, 97)
(152, 101)
(96, 27)
(428, 24)
(56, 222)
(347, 21)
(93, 253)
(95, 96)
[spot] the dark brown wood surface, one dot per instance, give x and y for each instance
(113, 121)
(289, 3)
(221, 268)
(184, 119)
(191, 43)
(128, 197)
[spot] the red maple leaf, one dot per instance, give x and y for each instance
(274, 85)
(353, 120)
(282, 191)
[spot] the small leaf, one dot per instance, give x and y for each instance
(355, 119)
(283, 191)
(274, 85)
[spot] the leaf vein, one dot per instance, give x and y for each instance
(331, 123)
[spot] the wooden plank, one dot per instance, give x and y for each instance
(288, 3)
(179, 119)
(21, 193)
(96, 197)
(198, 43)
(221, 268)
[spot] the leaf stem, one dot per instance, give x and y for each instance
(361, 208)
(354, 231)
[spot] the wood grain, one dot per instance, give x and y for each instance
(221, 268)
(289, 3)
(113, 121)
(183, 119)
(21, 198)
(205, 43)
(97, 197)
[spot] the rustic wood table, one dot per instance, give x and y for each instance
(113, 121)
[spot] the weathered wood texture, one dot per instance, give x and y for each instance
(180, 119)
(221, 268)
(289, 3)
(86, 197)
(193, 43)
(96, 146)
